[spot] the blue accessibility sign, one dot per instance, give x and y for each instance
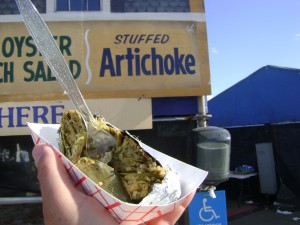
(205, 210)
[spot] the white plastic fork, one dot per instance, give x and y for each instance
(97, 139)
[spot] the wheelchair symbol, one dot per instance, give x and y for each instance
(206, 213)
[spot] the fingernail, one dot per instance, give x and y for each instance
(37, 153)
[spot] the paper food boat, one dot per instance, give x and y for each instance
(125, 213)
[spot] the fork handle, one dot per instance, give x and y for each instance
(52, 55)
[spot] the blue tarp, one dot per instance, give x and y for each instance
(263, 107)
(269, 95)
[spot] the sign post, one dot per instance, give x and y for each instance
(205, 210)
(127, 55)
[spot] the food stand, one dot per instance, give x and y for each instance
(128, 58)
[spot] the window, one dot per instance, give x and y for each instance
(150, 6)
(78, 5)
(9, 7)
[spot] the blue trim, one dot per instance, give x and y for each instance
(93, 5)
(62, 5)
(174, 106)
(78, 5)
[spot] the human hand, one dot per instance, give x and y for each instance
(63, 203)
(171, 217)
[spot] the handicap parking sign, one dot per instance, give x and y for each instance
(205, 210)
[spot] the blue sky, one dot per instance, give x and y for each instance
(245, 35)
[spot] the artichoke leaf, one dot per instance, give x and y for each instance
(104, 176)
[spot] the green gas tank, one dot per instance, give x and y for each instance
(212, 145)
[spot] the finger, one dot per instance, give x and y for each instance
(172, 217)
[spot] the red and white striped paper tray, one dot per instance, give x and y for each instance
(125, 213)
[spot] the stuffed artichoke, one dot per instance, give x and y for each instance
(127, 171)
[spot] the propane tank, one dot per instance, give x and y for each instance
(213, 153)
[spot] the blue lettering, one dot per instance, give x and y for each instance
(157, 38)
(21, 113)
(137, 62)
(160, 63)
(169, 64)
(119, 59)
(107, 63)
(147, 64)
(144, 69)
(118, 39)
(55, 114)
(179, 62)
(40, 112)
(10, 117)
(141, 38)
(190, 62)
(130, 58)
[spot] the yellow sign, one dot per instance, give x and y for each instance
(108, 59)
(124, 113)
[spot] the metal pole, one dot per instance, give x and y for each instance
(20, 200)
(202, 118)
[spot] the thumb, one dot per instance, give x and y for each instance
(55, 184)
(52, 175)
(51, 171)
